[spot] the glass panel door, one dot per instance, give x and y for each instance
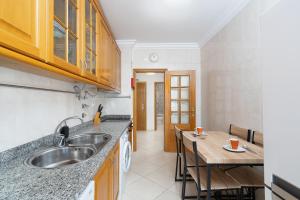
(179, 104)
(180, 99)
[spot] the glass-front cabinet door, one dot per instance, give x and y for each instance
(90, 32)
(64, 35)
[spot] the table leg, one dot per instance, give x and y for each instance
(208, 182)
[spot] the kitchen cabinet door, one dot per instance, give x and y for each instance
(22, 27)
(103, 182)
(116, 173)
(118, 70)
(107, 178)
(64, 34)
(116, 82)
(91, 40)
(106, 69)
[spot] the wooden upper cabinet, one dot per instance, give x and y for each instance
(116, 82)
(118, 69)
(105, 70)
(22, 27)
(64, 34)
(69, 37)
(90, 28)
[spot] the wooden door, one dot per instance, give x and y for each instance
(64, 34)
(22, 26)
(141, 105)
(179, 104)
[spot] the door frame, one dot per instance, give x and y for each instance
(155, 114)
(145, 83)
(135, 71)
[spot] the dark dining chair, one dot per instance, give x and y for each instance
(250, 178)
(220, 181)
(240, 132)
(179, 157)
(257, 138)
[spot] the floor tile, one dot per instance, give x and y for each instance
(130, 177)
(162, 176)
(144, 168)
(168, 196)
(144, 189)
(190, 188)
(152, 172)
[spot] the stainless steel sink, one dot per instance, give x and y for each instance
(96, 139)
(60, 156)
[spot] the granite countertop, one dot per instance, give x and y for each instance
(19, 181)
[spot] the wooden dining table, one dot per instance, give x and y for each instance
(210, 149)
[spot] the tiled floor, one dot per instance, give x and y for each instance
(151, 176)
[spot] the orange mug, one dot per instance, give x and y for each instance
(234, 143)
(199, 130)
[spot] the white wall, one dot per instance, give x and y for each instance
(172, 58)
(28, 114)
(121, 103)
(150, 80)
(256, 57)
(281, 90)
(231, 74)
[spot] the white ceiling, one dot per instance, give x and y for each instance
(168, 21)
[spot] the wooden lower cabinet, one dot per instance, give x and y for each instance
(115, 174)
(107, 178)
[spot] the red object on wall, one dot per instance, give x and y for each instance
(132, 83)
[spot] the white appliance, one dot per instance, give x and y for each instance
(88, 193)
(125, 160)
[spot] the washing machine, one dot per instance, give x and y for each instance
(125, 160)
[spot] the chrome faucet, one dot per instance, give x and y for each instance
(58, 138)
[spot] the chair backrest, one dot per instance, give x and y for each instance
(178, 133)
(258, 138)
(178, 138)
(240, 132)
(190, 154)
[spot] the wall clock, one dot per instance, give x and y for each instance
(153, 57)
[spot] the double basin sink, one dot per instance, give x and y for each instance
(79, 148)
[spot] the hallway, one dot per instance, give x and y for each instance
(151, 176)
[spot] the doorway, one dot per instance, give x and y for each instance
(179, 105)
(146, 109)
